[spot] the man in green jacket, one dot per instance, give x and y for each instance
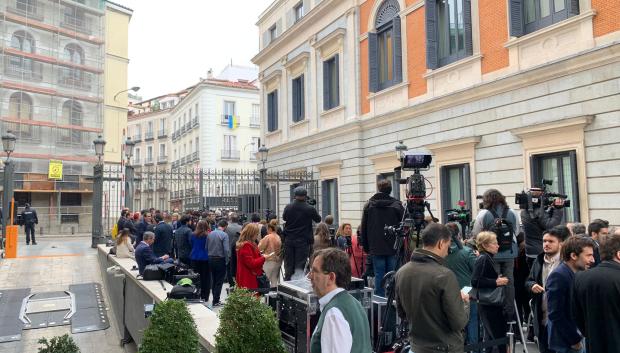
(342, 316)
(429, 297)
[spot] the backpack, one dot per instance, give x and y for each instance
(184, 289)
(152, 273)
(503, 230)
(115, 231)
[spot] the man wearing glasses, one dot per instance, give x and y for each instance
(342, 316)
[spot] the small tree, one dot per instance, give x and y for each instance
(247, 326)
(59, 344)
(172, 330)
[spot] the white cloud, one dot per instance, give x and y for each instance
(173, 43)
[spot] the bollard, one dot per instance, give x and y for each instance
(11, 242)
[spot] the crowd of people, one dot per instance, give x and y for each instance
(458, 288)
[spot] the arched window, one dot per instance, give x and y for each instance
(20, 107)
(385, 48)
(72, 114)
(74, 54)
(19, 65)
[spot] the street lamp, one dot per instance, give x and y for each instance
(97, 226)
(262, 156)
(129, 187)
(134, 89)
(8, 145)
(400, 149)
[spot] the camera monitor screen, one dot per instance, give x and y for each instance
(417, 161)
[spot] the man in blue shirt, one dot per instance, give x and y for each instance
(219, 252)
(144, 253)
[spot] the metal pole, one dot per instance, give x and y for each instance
(201, 189)
(262, 201)
(7, 196)
(129, 186)
(396, 186)
(97, 227)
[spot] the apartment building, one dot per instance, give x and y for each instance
(53, 83)
(503, 93)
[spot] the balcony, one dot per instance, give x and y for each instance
(230, 154)
(76, 79)
(175, 164)
(195, 156)
(188, 126)
(162, 134)
(148, 135)
(77, 21)
(162, 159)
(137, 138)
(148, 161)
(22, 68)
(226, 118)
(25, 132)
(136, 161)
(31, 10)
(174, 135)
(255, 121)
(195, 122)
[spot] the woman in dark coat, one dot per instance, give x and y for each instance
(485, 276)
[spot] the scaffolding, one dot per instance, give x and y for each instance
(51, 97)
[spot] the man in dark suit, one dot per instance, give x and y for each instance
(163, 237)
(598, 229)
(143, 226)
(578, 255)
(144, 253)
(595, 301)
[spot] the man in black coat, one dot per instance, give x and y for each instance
(595, 303)
(597, 229)
(29, 219)
(298, 238)
(163, 237)
(380, 211)
(546, 262)
(183, 237)
(535, 225)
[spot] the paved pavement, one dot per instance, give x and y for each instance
(53, 265)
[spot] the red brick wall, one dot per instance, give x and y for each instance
(416, 52)
(493, 34)
(607, 17)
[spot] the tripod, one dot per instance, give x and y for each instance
(400, 341)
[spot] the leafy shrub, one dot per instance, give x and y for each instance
(172, 330)
(247, 326)
(59, 344)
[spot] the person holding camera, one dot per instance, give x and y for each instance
(498, 218)
(380, 211)
(538, 221)
(298, 238)
(322, 238)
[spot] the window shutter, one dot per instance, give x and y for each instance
(516, 18)
(279, 27)
(444, 187)
(325, 85)
(373, 64)
(467, 185)
(275, 110)
(302, 99)
(324, 199)
(534, 171)
(306, 4)
(431, 34)
(573, 8)
(575, 187)
(335, 205)
(336, 102)
(290, 17)
(266, 38)
(398, 50)
(469, 45)
(295, 99)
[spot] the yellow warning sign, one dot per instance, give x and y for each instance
(55, 169)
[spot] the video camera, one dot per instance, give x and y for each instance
(460, 215)
(539, 197)
(415, 204)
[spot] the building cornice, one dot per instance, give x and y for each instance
(317, 137)
(459, 143)
(577, 122)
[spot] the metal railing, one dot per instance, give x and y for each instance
(148, 160)
(188, 126)
(195, 122)
(255, 121)
(137, 138)
(148, 135)
(230, 154)
(162, 159)
(195, 156)
(161, 133)
(226, 118)
(23, 68)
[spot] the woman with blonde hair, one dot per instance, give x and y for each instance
(124, 249)
(321, 237)
(343, 236)
(249, 259)
(485, 277)
(271, 244)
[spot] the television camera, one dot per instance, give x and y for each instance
(414, 219)
(540, 197)
(460, 215)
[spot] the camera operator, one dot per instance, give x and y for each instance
(538, 222)
(380, 211)
(495, 208)
(298, 238)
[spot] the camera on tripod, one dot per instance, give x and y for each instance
(539, 197)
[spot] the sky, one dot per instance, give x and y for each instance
(174, 43)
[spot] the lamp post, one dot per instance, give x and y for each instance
(262, 157)
(8, 145)
(97, 227)
(134, 89)
(400, 149)
(129, 187)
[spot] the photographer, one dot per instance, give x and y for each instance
(498, 218)
(298, 238)
(537, 222)
(380, 211)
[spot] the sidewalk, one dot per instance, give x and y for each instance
(52, 265)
